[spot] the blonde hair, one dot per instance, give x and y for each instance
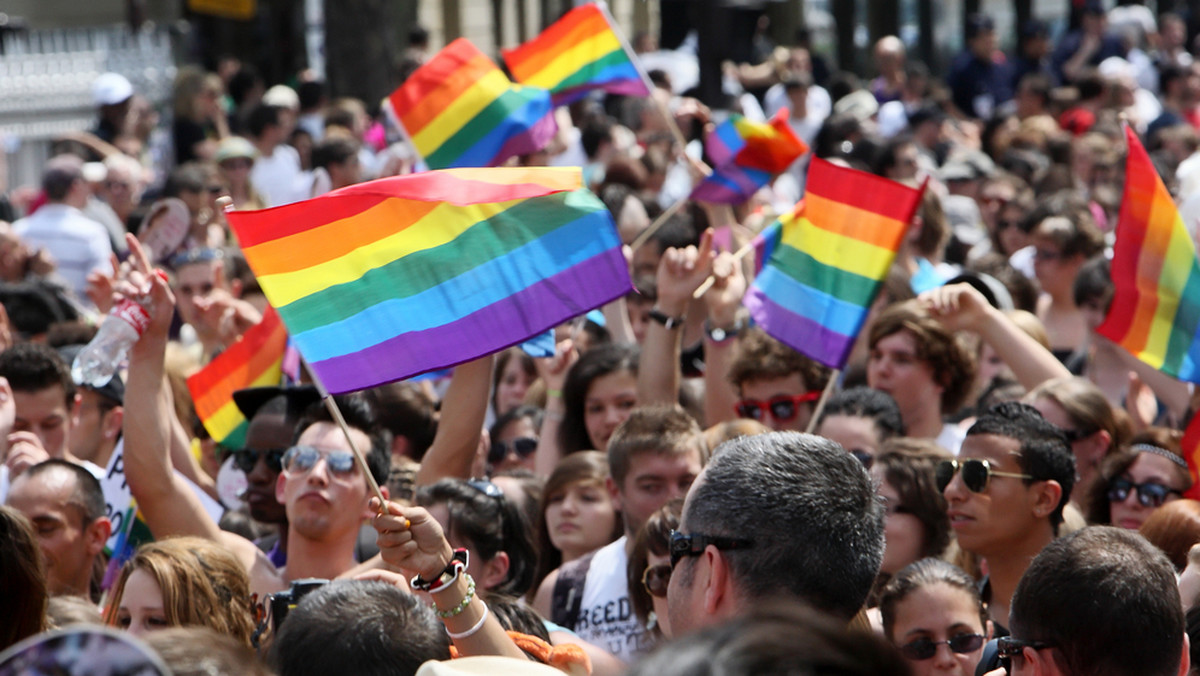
(202, 584)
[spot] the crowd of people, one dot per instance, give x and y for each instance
(988, 484)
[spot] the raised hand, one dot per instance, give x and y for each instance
(24, 451)
(729, 286)
(681, 272)
(411, 539)
(958, 306)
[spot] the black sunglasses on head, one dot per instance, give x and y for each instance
(975, 474)
(923, 648)
(693, 544)
(245, 459)
(1150, 494)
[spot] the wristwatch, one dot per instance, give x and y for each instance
(668, 322)
(719, 335)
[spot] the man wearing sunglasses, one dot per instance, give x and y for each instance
(776, 385)
(1101, 600)
(1005, 494)
(272, 413)
(775, 516)
(324, 491)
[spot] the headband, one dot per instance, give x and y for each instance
(1147, 448)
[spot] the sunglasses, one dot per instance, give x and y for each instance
(1009, 647)
(975, 474)
(656, 578)
(1047, 255)
(694, 544)
(245, 459)
(923, 648)
(1149, 494)
(522, 446)
(865, 458)
(783, 408)
(300, 459)
(1074, 435)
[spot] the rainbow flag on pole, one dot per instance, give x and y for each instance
(385, 280)
(1155, 310)
(582, 51)
(256, 360)
(836, 248)
(745, 155)
(460, 110)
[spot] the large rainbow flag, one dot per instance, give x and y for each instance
(385, 280)
(836, 247)
(580, 52)
(745, 155)
(256, 360)
(460, 110)
(1155, 310)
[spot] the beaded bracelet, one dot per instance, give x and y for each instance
(473, 630)
(462, 605)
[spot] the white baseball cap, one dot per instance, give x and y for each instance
(110, 89)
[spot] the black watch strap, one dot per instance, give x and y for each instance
(667, 321)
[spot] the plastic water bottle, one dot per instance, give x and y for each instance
(95, 364)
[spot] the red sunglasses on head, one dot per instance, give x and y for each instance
(783, 407)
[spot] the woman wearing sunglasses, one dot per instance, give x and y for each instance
(933, 613)
(649, 569)
(476, 516)
(577, 512)
(1092, 426)
(1139, 479)
(514, 438)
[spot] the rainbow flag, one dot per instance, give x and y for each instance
(580, 52)
(1190, 445)
(1155, 310)
(255, 360)
(385, 280)
(745, 155)
(835, 250)
(460, 110)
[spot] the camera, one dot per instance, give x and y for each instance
(283, 602)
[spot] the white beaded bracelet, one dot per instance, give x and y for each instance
(472, 631)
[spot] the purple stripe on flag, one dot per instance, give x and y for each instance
(507, 322)
(801, 334)
(531, 140)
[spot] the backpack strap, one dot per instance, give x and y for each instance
(567, 599)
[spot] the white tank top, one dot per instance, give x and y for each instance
(606, 617)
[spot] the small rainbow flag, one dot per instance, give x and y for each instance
(580, 52)
(460, 110)
(835, 250)
(745, 155)
(256, 360)
(1155, 310)
(385, 280)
